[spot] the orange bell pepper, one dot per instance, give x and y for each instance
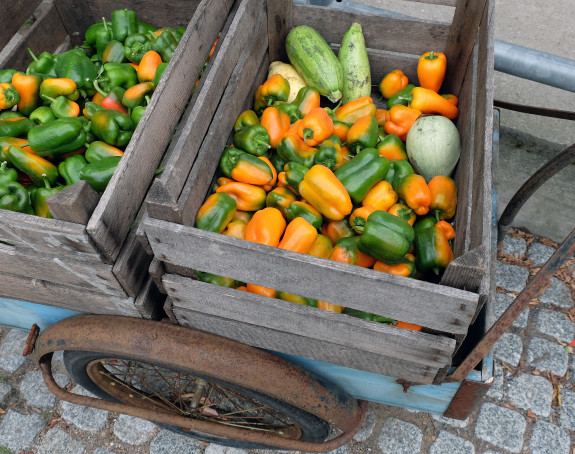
(236, 228)
(404, 269)
(410, 326)
(266, 227)
(329, 307)
(315, 127)
(148, 66)
(446, 228)
(260, 290)
(399, 119)
(443, 196)
(275, 88)
(321, 189)
(354, 110)
(380, 197)
(340, 129)
(247, 196)
(29, 89)
(402, 211)
(358, 218)
(321, 247)
(414, 191)
(243, 215)
(277, 123)
(336, 230)
(451, 98)
(380, 117)
(346, 251)
(429, 102)
(431, 68)
(269, 186)
(392, 82)
(299, 236)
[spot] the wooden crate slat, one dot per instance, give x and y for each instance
(76, 203)
(46, 33)
(405, 299)
(47, 235)
(309, 322)
(380, 31)
(217, 138)
(188, 139)
(113, 216)
(65, 296)
(270, 339)
(14, 14)
(92, 275)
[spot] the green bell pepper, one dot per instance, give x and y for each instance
(7, 114)
(124, 23)
(90, 108)
(363, 172)
(42, 115)
(91, 33)
(292, 111)
(113, 127)
(362, 134)
(99, 174)
(39, 196)
(121, 75)
(36, 167)
(58, 136)
(62, 107)
(16, 127)
(217, 280)
(166, 43)
(246, 118)
(297, 209)
(44, 64)
(15, 197)
(7, 174)
(328, 154)
(253, 139)
(159, 72)
(386, 237)
(424, 223)
(294, 173)
(401, 97)
(135, 46)
(103, 38)
(143, 27)
(398, 168)
(113, 52)
(368, 316)
(6, 75)
(99, 150)
(137, 114)
(70, 168)
(76, 65)
(432, 250)
(216, 212)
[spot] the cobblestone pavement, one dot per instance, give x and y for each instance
(529, 409)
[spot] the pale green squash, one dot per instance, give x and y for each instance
(433, 146)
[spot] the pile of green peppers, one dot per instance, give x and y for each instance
(68, 117)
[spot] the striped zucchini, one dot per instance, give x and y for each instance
(355, 65)
(314, 60)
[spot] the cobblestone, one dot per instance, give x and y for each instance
(18, 431)
(511, 277)
(36, 394)
(5, 388)
(496, 390)
(547, 355)
(367, 428)
(514, 246)
(556, 324)
(567, 410)
(399, 437)
(133, 431)
(547, 438)
(501, 426)
(509, 349)
(11, 351)
(539, 253)
(90, 419)
(557, 294)
(531, 392)
(58, 441)
(447, 443)
(168, 442)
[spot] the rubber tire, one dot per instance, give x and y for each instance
(313, 428)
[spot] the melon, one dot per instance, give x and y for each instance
(433, 146)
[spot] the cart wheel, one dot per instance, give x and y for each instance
(184, 392)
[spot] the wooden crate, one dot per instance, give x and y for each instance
(445, 309)
(88, 259)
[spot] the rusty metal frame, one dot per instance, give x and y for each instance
(207, 354)
(537, 284)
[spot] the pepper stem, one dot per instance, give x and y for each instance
(105, 24)
(431, 56)
(46, 182)
(98, 89)
(32, 54)
(307, 134)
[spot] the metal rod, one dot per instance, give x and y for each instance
(532, 290)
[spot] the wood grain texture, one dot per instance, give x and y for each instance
(150, 301)
(112, 218)
(65, 296)
(462, 34)
(271, 339)
(467, 271)
(28, 263)
(218, 136)
(280, 21)
(434, 306)
(14, 14)
(166, 189)
(75, 204)
(47, 33)
(410, 36)
(46, 235)
(309, 322)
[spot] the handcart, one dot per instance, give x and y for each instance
(256, 384)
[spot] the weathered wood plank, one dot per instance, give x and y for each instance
(29, 263)
(217, 137)
(309, 322)
(66, 297)
(77, 16)
(164, 193)
(436, 2)
(46, 33)
(14, 14)
(462, 34)
(280, 22)
(411, 36)
(112, 218)
(271, 339)
(434, 306)
(467, 271)
(150, 301)
(75, 204)
(46, 235)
